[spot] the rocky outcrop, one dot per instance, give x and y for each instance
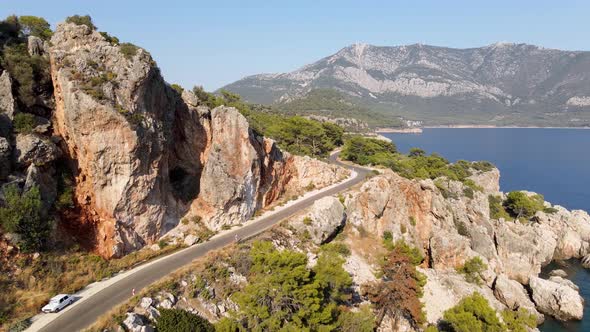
(451, 225)
(444, 290)
(147, 156)
(557, 299)
(489, 181)
(35, 149)
(7, 99)
(5, 156)
(35, 45)
(325, 218)
(513, 295)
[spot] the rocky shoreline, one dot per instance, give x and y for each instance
(449, 228)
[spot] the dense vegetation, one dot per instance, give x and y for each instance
(416, 164)
(283, 293)
(178, 320)
(472, 269)
(517, 205)
(474, 314)
(295, 134)
(397, 294)
(30, 73)
(331, 103)
(22, 215)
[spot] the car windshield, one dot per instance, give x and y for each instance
(55, 300)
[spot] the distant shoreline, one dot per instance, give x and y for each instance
(420, 130)
(501, 127)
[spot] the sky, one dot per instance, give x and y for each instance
(214, 43)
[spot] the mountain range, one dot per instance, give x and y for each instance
(498, 84)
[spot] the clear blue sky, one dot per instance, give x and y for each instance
(213, 43)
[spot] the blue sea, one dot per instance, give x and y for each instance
(552, 162)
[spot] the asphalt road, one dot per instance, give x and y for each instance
(83, 314)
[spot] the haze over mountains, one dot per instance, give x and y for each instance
(499, 84)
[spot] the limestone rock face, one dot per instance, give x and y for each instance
(147, 156)
(513, 295)
(443, 290)
(489, 181)
(557, 299)
(326, 217)
(35, 45)
(34, 149)
(5, 153)
(44, 179)
(7, 99)
(524, 248)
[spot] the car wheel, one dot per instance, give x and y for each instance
(57, 310)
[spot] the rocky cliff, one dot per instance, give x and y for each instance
(447, 225)
(483, 85)
(143, 155)
(451, 228)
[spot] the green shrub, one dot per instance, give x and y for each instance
(472, 270)
(468, 192)
(307, 221)
(473, 314)
(35, 26)
(111, 39)
(519, 321)
(361, 321)
(129, 50)
(30, 73)
(20, 325)
(295, 297)
(162, 244)
(550, 210)
(81, 20)
(24, 123)
(412, 221)
(431, 328)
(177, 87)
(337, 247)
(22, 215)
(178, 320)
(366, 151)
(519, 204)
(387, 237)
(497, 210)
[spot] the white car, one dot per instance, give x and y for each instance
(58, 302)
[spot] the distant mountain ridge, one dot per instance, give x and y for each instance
(500, 84)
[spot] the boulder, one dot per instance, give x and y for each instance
(326, 217)
(35, 45)
(7, 100)
(137, 323)
(489, 181)
(190, 239)
(34, 149)
(152, 313)
(146, 302)
(513, 295)
(444, 289)
(5, 160)
(44, 179)
(558, 273)
(556, 299)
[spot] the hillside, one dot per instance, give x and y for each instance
(499, 84)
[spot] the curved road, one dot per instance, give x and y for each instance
(84, 313)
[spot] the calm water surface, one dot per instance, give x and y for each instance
(552, 162)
